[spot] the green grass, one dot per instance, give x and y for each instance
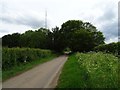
(24, 67)
(90, 70)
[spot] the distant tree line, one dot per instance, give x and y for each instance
(113, 48)
(74, 34)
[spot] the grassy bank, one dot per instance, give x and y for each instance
(22, 68)
(18, 60)
(91, 70)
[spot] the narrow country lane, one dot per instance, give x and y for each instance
(42, 76)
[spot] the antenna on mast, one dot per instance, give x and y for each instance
(46, 19)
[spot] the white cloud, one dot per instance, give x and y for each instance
(112, 40)
(21, 15)
(32, 21)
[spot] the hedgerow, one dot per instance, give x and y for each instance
(109, 48)
(17, 56)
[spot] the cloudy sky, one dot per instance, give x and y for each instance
(22, 15)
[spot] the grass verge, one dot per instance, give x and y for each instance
(24, 67)
(90, 70)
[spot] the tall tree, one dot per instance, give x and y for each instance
(57, 40)
(74, 34)
(80, 36)
(35, 39)
(12, 40)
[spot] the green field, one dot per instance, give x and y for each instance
(90, 70)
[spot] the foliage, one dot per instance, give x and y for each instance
(57, 40)
(12, 40)
(35, 39)
(80, 36)
(90, 70)
(32, 39)
(75, 34)
(109, 48)
(12, 57)
(6, 74)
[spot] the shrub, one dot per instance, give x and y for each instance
(16, 56)
(109, 48)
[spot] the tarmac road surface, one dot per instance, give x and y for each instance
(42, 76)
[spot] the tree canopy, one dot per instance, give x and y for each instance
(74, 34)
(80, 36)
